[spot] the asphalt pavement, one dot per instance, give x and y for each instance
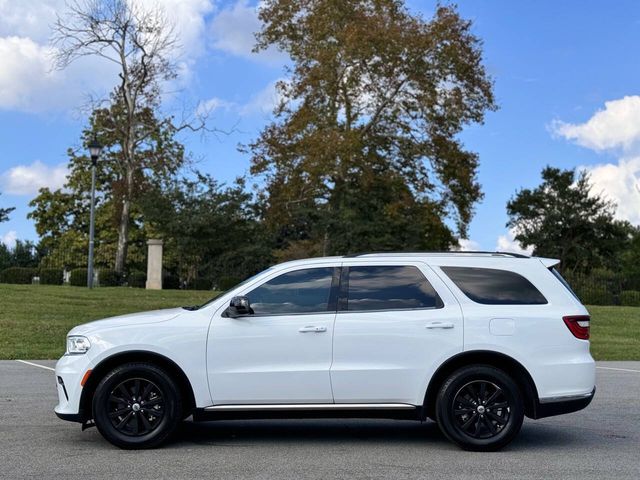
(600, 442)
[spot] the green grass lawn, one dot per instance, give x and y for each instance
(615, 333)
(34, 319)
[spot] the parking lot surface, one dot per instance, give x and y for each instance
(600, 442)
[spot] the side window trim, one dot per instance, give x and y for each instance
(334, 294)
(331, 304)
(343, 289)
(343, 299)
(296, 314)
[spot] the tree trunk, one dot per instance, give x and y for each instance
(123, 227)
(129, 153)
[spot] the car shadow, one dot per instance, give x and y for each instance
(247, 433)
(251, 432)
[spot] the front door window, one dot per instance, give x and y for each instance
(300, 291)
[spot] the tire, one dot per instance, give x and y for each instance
(471, 424)
(137, 406)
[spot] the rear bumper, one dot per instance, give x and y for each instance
(559, 406)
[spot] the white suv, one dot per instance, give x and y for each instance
(472, 340)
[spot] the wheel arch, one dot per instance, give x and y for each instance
(487, 357)
(109, 363)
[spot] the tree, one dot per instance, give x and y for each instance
(22, 254)
(6, 257)
(25, 254)
(372, 90)
(630, 260)
(562, 218)
(213, 230)
(4, 214)
(62, 216)
(379, 214)
(140, 42)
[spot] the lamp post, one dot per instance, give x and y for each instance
(95, 149)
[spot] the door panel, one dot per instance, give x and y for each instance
(389, 355)
(269, 360)
(276, 356)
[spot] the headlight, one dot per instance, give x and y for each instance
(77, 344)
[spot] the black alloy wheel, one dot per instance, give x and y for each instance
(137, 405)
(480, 408)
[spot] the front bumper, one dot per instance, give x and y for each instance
(71, 417)
(560, 406)
(69, 372)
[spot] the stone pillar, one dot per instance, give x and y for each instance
(154, 265)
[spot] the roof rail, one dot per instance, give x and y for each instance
(455, 252)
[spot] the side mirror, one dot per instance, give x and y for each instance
(239, 306)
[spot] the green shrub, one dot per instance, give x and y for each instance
(19, 275)
(200, 284)
(595, 295)
(171, 282)
(78, 277)
(226, 283)
(137, 279)
(51, 276)
(108, 278)
(630, 298)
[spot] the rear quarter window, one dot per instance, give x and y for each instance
(491, 286)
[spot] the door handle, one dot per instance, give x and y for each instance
(439, 325)
(312, 329)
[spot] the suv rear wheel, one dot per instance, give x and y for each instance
(479, 408)
(137, 405)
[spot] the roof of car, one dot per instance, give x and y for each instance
(438, 257)
(439, 254)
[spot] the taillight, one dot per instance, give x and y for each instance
(579, 325)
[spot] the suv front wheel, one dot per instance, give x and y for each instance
(137, 405)
(479, 408)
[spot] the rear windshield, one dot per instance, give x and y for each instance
(491, 286)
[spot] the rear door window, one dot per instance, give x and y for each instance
(388, 288)
(492, 286)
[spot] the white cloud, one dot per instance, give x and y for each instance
(28, 179)
(27, 80)
(233, 30)
(29, 18)
(261, 103)
(9, 238)
(507, 243)
(188, 19)
(207, 107)
(26, 70)
(29, 83)
(617, 126)
(621, 183)
(466, 245)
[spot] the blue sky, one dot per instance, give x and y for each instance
(566, 80)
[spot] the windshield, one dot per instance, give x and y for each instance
(244, 282)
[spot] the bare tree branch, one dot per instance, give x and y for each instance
(142, 42)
